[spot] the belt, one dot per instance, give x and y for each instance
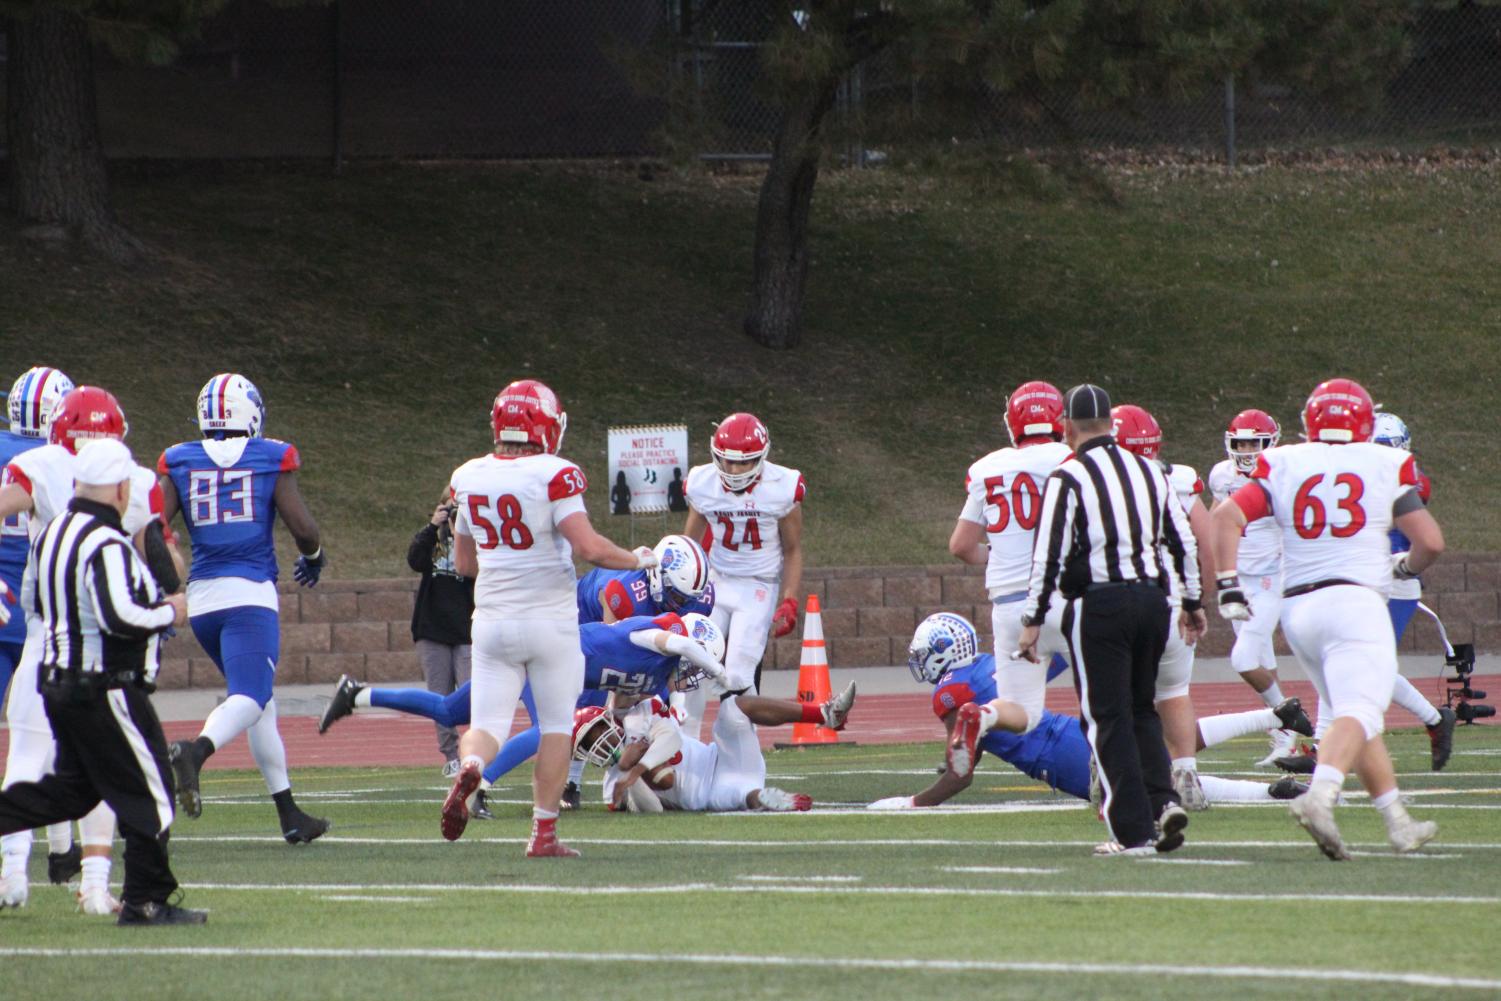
(63, 681)
(1105, 585)
(1293, 592)
(1007, 599)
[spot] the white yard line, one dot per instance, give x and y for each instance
(362, 898)
(1287, 974)
(757, 878)
(1020, 870)
(1203, 861)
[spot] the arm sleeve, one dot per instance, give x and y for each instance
(1253, 500)
(974, 501)
(159, 557)
(1181, 545)
(666, 743)
(1055, 530)
(568, 506)
(420, 552)
(111, 586)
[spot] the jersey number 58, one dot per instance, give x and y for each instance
(512, 530)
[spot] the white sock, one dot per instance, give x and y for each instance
(475, 759)
(576, 773)
(95, 873)
(988, 717)
(1219, 790)
(1327, 783)
(15, 850)
(540, 814)
(97, 828)
(1228, 726)
(1409, 698)
(269, 752)
(59, 837)
(1272, 696)
(229, 719)
(1192, 764)
(1389, 805)
(362, 698)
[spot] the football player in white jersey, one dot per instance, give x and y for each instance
(39, 484)
(997, 528)
(521, 522)
(749, 512)
(1334, 499)
(1253, 656)
(1138, 431)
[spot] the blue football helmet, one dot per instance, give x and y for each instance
(1392, 431)
(943, 641)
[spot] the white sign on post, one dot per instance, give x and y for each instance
(648, 464)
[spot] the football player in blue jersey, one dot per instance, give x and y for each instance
(945, 653)
(632, 660)
(679, 583)
(229, 487)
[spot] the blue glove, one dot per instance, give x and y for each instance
(309, 568)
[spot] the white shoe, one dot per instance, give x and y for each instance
(97, 902)
(451, 769)
(1282, 742)
(1317, 819)
(1190, 792)
(775, 800)
(1114, 849)
(1410, 835)
(14, 890)
(837, 709)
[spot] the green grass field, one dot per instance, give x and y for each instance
(1000, 898)
(380, 310)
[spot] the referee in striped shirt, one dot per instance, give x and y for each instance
(1110, 536)
(102, 616)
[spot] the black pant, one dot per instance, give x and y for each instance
(109, 746)
(1116, 636)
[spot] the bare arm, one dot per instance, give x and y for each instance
(790, 528)
(465, 558)
(695, 526)
(14, 500)
(948, 785)
(967, 544)
(592, 547)
(294, 513)
(1426, 537)
(1200, 525)
(1226, 524)
(170, 503)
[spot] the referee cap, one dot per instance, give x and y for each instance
(103, 462)
(1086, 402)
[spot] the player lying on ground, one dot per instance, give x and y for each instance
(653, 765)
(943, 654)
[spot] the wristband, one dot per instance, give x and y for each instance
(1192, 605)
(1227, 580)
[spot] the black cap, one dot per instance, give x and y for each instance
(1086, 402)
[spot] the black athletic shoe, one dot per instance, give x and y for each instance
(151, 913)
(1441, 738)
(299, 828)
(185, 764)
(1290, 712)
(1301, 763)
(63, 866)
(1170, 828)
(480, 811)
(570, 796)
(341, 704)
(1287, 787)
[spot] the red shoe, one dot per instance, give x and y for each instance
(545, 843)
(961, 752)
(456, 806)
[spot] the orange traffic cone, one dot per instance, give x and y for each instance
(813, 678)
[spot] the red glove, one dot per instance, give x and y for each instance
(785, 618)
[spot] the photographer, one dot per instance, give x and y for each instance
(440, 620)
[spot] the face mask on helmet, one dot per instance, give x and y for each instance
(943, 641)
(33, 398)
(597, 736)
(741, 440)
(1251, 433)
(1392, 432)
(229, 404)
(681, 574)
(703, 631)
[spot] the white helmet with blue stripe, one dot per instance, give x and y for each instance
(32, 399)
(230, 402)
(943, 641)
(681, 574)
(1391, 431)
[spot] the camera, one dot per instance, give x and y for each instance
(1459, 693)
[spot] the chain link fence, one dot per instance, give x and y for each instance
(579, 78)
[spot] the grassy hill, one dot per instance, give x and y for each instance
(380, 310)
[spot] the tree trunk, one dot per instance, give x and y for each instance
(57, 172)
(775, 317)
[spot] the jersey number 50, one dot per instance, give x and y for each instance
(208, 487)
(512, 530)
(1026, 502)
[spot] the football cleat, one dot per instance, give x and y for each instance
(1441, 737)
(1170, 826)
(341, 703)
(1287, 787)
(780, 801)
(1190, 791)
(1290, 712)
(14, 890)
(455, 815)
(183, 756)
(1410, 835)
(450, 769)
(1114, 849)
(152, 913)
(479, 809)
(837, 710)
(97, 902)
(571, 797)
(1317, 818)
(63, 866)
(961, 752)
(1302, 762)
(1282, 744)
(544, 842)
(301, 828)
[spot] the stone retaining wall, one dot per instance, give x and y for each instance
(362, 627)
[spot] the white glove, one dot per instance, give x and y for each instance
(1233, 602)
(894, 803)
(1400, 568)
(7, 597)
(645, 558)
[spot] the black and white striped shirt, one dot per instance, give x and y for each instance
(1109, 516)
(101, 610)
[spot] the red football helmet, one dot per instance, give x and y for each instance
(1339, 411)
(1136, 430)
(1034, 408)
(86, 413)
(527, 412)
(740, 438)
(1256, 427)
(596, 736)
